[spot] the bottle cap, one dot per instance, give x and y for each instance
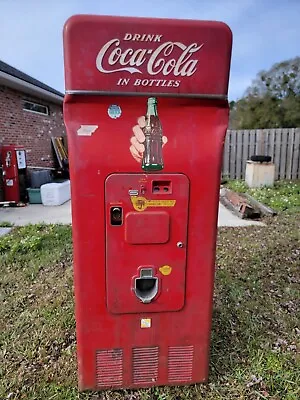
(152, 100)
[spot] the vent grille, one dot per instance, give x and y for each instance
(109, 368)
(180, 363)
(145, 365)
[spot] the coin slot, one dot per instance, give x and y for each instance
(162, 187)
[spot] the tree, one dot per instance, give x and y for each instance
(272, 101)
(281, 81)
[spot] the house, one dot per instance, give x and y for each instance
(30, 114)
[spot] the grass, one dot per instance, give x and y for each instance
(285, 195)
(5, 224)
(255, 337)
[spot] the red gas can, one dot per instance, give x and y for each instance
(146, 112)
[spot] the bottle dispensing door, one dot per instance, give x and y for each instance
(146, 233)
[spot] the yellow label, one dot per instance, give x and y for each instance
(141, 203)
(146, 323)
(165, 269)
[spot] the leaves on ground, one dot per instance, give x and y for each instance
(284, 195)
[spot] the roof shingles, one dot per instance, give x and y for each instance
(8, 69)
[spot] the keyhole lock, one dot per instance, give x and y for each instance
(180, 245)
(116, 215)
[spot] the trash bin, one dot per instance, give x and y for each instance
(39, 178)
(34, 196)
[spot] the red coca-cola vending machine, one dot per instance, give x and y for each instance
(146, 113)
(14, 173)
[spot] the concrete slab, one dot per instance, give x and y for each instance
(37, 213)
(4, 231)
(227, 218)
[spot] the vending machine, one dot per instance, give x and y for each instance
(14, 173)
(146, 113)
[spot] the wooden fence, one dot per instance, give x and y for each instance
(283, 145)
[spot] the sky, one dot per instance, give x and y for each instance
(264, 32)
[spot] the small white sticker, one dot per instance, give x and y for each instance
(146, 323)
(114, 111)
(9, 182)
(86, 130)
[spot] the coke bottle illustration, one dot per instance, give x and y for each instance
(152, 157)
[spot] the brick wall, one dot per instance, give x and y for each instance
(31, 130)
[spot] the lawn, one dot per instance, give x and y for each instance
(255, 322)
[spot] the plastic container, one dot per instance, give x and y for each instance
(34, 196)
(55, 194)
(39, 178)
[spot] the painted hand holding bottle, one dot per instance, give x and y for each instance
(148, 140)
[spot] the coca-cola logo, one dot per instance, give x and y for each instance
(167, 58)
